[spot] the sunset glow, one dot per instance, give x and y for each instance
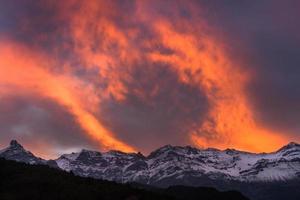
(136, 75)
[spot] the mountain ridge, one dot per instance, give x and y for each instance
(259, 176)
(172, 161)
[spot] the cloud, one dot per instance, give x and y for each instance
(135, 75)
(158, 109)
(42, 125)
(265, 37)
(65, 90)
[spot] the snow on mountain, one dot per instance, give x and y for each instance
(174, 163)
(16, 152)
(110, 165)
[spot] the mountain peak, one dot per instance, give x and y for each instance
(169, 147)
(15, 144)
(16, 152)
(293, 144)
(289, 146)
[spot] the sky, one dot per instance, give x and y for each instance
(137, 75)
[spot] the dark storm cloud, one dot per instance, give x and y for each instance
(266, 34)
(38, 24)
(158, 109)
(29, 21)
(36, 121)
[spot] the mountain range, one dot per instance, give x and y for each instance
(258, 176)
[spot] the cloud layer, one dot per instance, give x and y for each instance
(135, 75)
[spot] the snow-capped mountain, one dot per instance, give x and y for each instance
(16, 152)
(264, 176)
(112, 165)
(184, 163)
(175, 165)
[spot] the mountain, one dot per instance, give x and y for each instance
(24, 181)
(16, 152)
(172, 163)
(228, 169)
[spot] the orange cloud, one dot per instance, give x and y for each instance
(106, 39)
(22, 71)
(199, 60)
(197, 57)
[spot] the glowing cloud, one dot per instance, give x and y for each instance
(197, 57)
(24, 71)
(107, 40)
(200, 60)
